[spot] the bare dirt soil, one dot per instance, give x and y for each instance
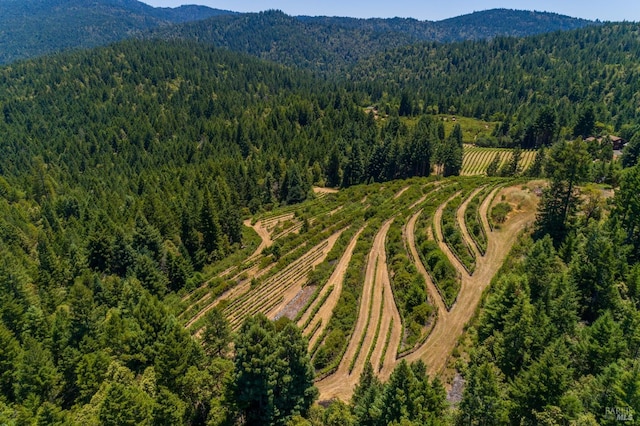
(336, 279)
(450, 324)
(463, 224)
(399, 193)
(291, 310)
(341, 383)
(449, 327)
(324, 191)
(410, 233)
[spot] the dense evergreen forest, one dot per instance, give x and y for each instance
(127, 170)
(30, 28)
(332, 44)
(516, 78)
(33, 28)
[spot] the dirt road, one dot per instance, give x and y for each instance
(326, 310)
(463, 224)
(449, 327)
(264, 234)
(410, 235)
(437, 222)
(341, 383)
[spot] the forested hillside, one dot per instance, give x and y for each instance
(128, 169)
(332, 44)
(514, 77)
(30, 28)
(162, 201)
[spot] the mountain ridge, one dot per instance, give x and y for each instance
(334, 43)
(36, 27)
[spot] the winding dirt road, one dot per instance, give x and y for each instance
(463, 224)
(341, 383)
(326, 310)
(410, 234)
(437, 222)
(450, 325)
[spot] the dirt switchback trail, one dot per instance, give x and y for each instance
(450, 325)
(336, 279)
(437, 223)
(389, 314)
(410, 235)
(463, 224)
(341, 384)
(264, 234)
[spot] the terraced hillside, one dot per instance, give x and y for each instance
(361, 272)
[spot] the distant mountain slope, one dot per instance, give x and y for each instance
(504, 22)
(473, 26)
(595, 66)
(331, 43)
(30, 28)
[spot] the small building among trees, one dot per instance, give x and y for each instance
(616, 141)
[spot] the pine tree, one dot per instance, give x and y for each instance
(542, 384)
(585, 124)
(536, 168)
(484, 402)
(364, 398)
(333, 169)
(210, 228)
(567, 166)
(494, 165)
(594, 271)
(294, 391)
(252, 390)
(216, 336)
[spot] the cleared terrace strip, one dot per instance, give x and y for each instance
(387, 340)
(372, 298)
(271, 297)
(267, 295)
(462, 224)
(399, 193)
(377, 333)
(473, 216)
(326, 304)
(341, 378)
(296, 269)
(294, 228)
(270, 223)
